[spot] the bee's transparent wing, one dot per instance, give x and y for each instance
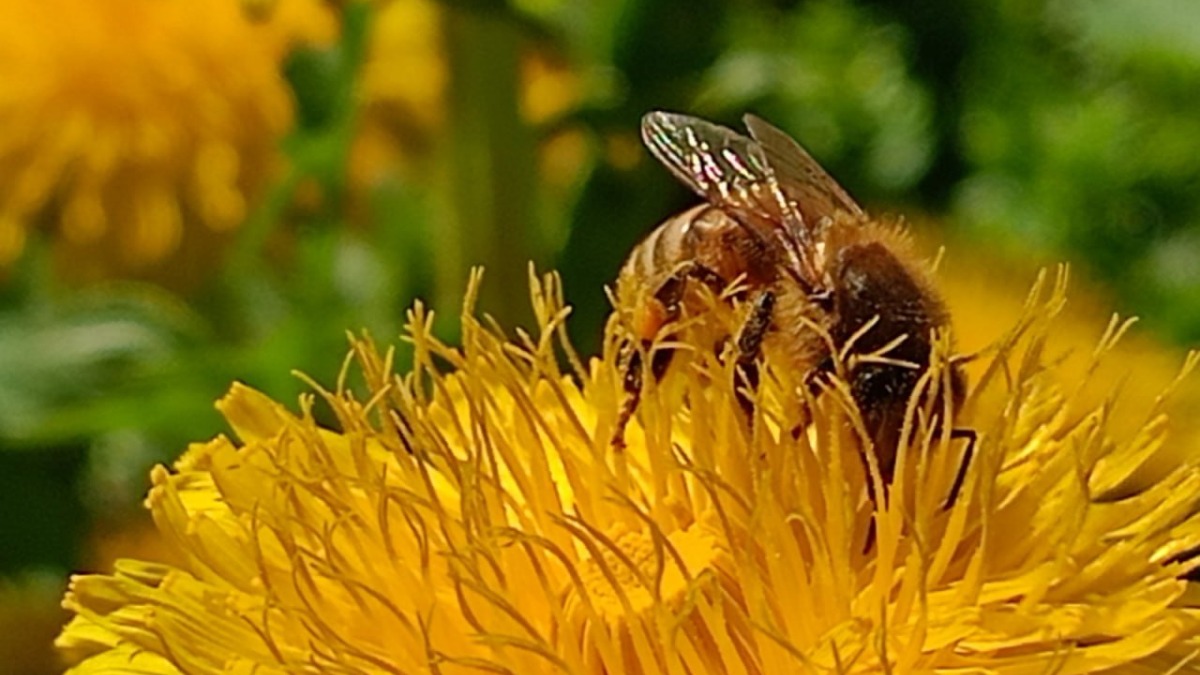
(809, 187)
(716, 162)
(735, 174)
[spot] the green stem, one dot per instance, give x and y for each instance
(490, 172)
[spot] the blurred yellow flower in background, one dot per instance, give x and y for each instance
(403, 93)
(402, 88)
(985, 294)
(472, 516)
(29, 619)
(139, 132)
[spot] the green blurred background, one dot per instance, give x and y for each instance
(256, 177)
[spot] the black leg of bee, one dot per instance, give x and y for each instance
(670, 293)
(704, 275)
(670, 296)
(749, 347)
(968, 455)
(817, 378)
(955, 488)
(814, 382)
(631, 383)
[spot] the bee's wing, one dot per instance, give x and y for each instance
(735, 174)
(716, 162)
(811, 189)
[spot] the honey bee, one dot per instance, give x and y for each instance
(822, 278)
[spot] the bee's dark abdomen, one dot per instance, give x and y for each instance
(882, 392)
(870, 282)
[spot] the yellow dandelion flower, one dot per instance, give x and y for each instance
(549, 87)
(140, 131)
(472, 516)
(403, 87)
(289, 23)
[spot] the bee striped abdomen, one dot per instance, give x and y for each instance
(698, 244)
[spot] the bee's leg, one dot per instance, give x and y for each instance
(814, 382)
(670, 292)
(670, 295)
(631, 383)
(968, 455)
(749, 347)
(704, 275)
(817, 378)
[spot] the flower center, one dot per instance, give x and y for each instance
(634, 571)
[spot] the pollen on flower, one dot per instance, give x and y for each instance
(470, 515)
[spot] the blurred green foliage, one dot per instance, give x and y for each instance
(1058, 128)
